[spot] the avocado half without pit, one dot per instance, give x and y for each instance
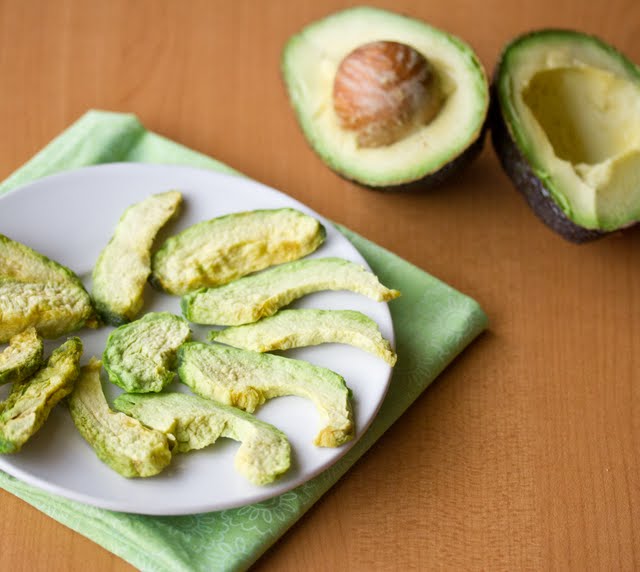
(386, 100)
(566, 127)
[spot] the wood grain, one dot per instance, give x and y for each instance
(524, 455)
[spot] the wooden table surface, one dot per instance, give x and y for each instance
(524, 453)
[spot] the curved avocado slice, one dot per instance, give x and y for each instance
(566, 127)
(298, 328)
(220, 250)
(247, 379)
(124, 265)
(53, 309)
(120, 441)
(139, 356)
(254, 297)
(31, 400)
(428, 153)
(195, 422)
(22, 358)
(19, 263)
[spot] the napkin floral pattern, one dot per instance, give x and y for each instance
(433, 324)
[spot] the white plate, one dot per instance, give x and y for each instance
(70, 217)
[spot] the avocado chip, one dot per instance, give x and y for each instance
(305, 327)
(120, 441)
(139, 356)
(123, 267)
(22, 358)
(37, 291)
(21, 263)
(253, 297)
(32, 399)
(385, 100)
(52, 309)
(220, 250)
(247, 379)
(566, 128)
(195, 422)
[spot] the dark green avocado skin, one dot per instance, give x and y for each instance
(523, 178)
(436, 179)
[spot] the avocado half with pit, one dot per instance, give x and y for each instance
(386, 100)
(566, 127)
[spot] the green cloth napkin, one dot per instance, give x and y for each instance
(433, 323)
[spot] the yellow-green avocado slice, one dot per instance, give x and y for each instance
(19, 262)
(53, 309)
(31, 400)
(120, 441)
(305, 327)
(428, 155)
(37, 291)
(217, 251)
(22, 358)
(247, 379)
(140, 356)
(195, 422)
(566, 127)
(253, 297)
(124, 265)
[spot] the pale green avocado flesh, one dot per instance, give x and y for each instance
(37, 291)
(572, 104)
(140, 356)
(21, 263)
(22, 358)
(120, 441)
(194, 422)
(306, 327)
(217, 251)
(311, 59)
(124, 265)
(247, 379)
(253, 297)
(53, 309)
(32, 399)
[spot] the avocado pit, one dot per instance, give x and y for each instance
(383, 91)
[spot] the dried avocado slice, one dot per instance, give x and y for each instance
(254, 297)
(220, 250)
(247, 379)
(121, 442)
(31, 400)
(52, 308)
(196, 422)
(19, 262)
(22, 358)
(139, 356)
(124, 265)
(298, 328)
